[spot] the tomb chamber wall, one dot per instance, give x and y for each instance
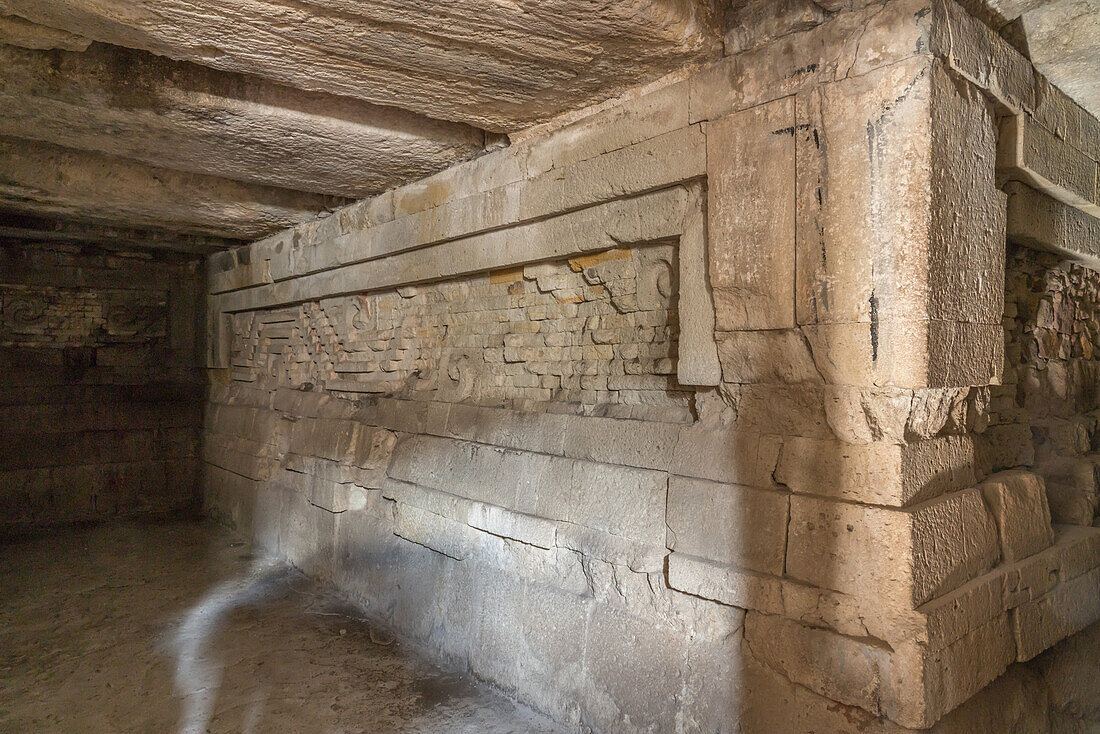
(685, 416)
(101, 385)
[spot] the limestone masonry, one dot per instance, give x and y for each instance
(764, 401)
(100, 407)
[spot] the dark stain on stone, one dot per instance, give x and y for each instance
(790, 130)
(809, 69)
(874, 326)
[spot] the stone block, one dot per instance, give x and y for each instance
(976, 52)
(1018, 502)
(1065, 117)
(551, 676)
(519, 481)
(1071, 488)
(541, 432)
(640, 557)
(901, 556)
(697, 360)
(766, 356)
(860, 415)
(529, 529)
(926, 684)
(632, 121)
(750, 175)
(838, 667)
(890, 474)
(306, 533)
(1004, 447)
(847, 43)
(1041, 221)
(965, 262)
(230, 497)
(728, 523)
(908, 354)
(726, 584)
(1067, 609)
(1044, 161)
(619, 500)
(781, 409)
(676, 156)
(862, 245)
(636, 684)
(740, 458)
(642, 444)
(435, 532)
(907, 683)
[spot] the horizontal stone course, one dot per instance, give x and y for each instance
(909, 556)
(880, 473)
(728, 523)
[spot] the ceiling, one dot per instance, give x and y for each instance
(195, 125)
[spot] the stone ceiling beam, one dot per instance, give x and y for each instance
(18, 32)
(1063, 39)
(31, 229)
(47, 180)
(494, 64)
(183, 116)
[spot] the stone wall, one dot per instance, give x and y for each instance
(1045, 414)
(100, 393)
(680, 410)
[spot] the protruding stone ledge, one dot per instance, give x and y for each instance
(1040, 221)
(1032, 154)
(530, 529)
(1068, 608)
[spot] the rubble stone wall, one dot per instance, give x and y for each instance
(1045, 413)
(680, 410)
(100, 393)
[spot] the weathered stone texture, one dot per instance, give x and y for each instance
(908, 556)
(1049, 398)
(497, 66)
(190, 118)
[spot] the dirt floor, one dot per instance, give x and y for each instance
(178, 628)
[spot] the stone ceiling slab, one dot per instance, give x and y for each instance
(190, 118)
(495, 64)
(18, 32)
(1063, 38)
(24, 228)
(47, 180)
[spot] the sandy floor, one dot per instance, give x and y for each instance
(177, 628)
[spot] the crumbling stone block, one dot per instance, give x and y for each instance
(1018, 502)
